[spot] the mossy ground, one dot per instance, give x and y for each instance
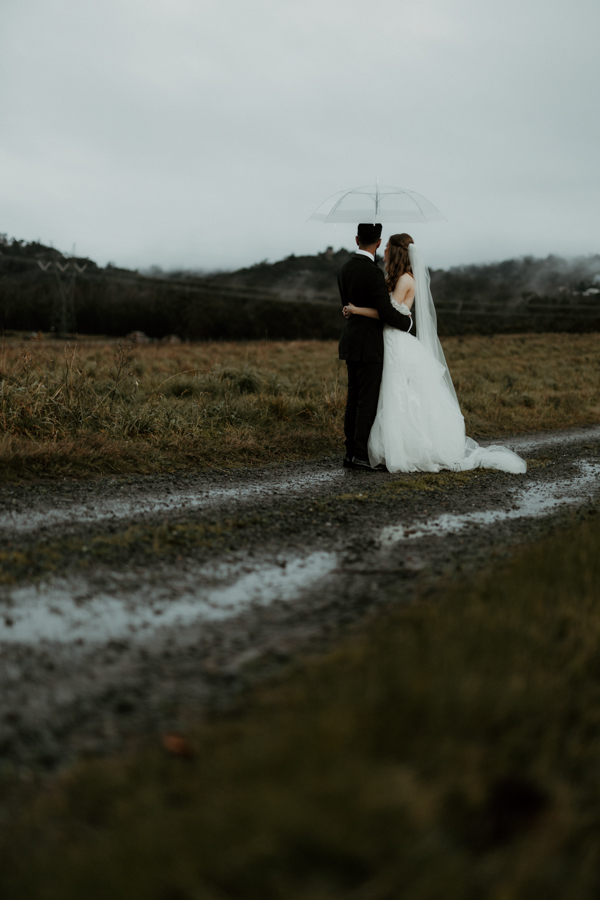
(145, 543)
(94, 407)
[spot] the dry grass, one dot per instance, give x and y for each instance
(534, 382)
(452, 751)
(99, 407)
(95, 407)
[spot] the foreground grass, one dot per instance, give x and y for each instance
(96, 407)
(451, 751)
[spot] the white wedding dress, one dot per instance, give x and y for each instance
(419, 426)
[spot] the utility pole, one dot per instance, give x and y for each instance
(63, 315)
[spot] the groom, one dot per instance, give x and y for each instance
(362, 283)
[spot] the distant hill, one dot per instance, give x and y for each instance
(44, 289)
(527, 294)
(292, 278)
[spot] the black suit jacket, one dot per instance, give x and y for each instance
(362, 283)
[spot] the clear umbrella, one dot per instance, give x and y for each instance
(377, 203)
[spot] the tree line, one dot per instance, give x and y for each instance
(294, 298)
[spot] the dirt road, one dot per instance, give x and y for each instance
(128, 605)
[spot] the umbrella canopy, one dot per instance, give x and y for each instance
(377, 203)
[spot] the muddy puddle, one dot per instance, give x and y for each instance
(96, 648)
(527, 443)
(531, 502)
(77, 610)
(72, 611)
(152, 504)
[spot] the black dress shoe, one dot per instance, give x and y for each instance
(348, 464)
(361, 463)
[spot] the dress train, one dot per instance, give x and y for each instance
(419, 426)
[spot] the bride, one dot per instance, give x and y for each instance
(419, 426)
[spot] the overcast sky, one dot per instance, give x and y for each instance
(203, 133)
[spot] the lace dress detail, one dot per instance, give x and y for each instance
(419, 426)
(402, 308)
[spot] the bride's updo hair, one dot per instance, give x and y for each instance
(398, 261)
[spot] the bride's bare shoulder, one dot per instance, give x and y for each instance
(405, 284)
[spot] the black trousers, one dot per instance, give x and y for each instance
(364, 380)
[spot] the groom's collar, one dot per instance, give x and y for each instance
(365, 253)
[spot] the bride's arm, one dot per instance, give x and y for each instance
(360, 311)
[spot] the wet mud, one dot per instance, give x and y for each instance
(129, 606)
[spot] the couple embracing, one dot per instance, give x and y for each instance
(402, 413)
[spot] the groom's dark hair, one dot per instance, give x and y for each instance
(368, 234)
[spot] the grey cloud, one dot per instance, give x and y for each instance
(203, 134)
